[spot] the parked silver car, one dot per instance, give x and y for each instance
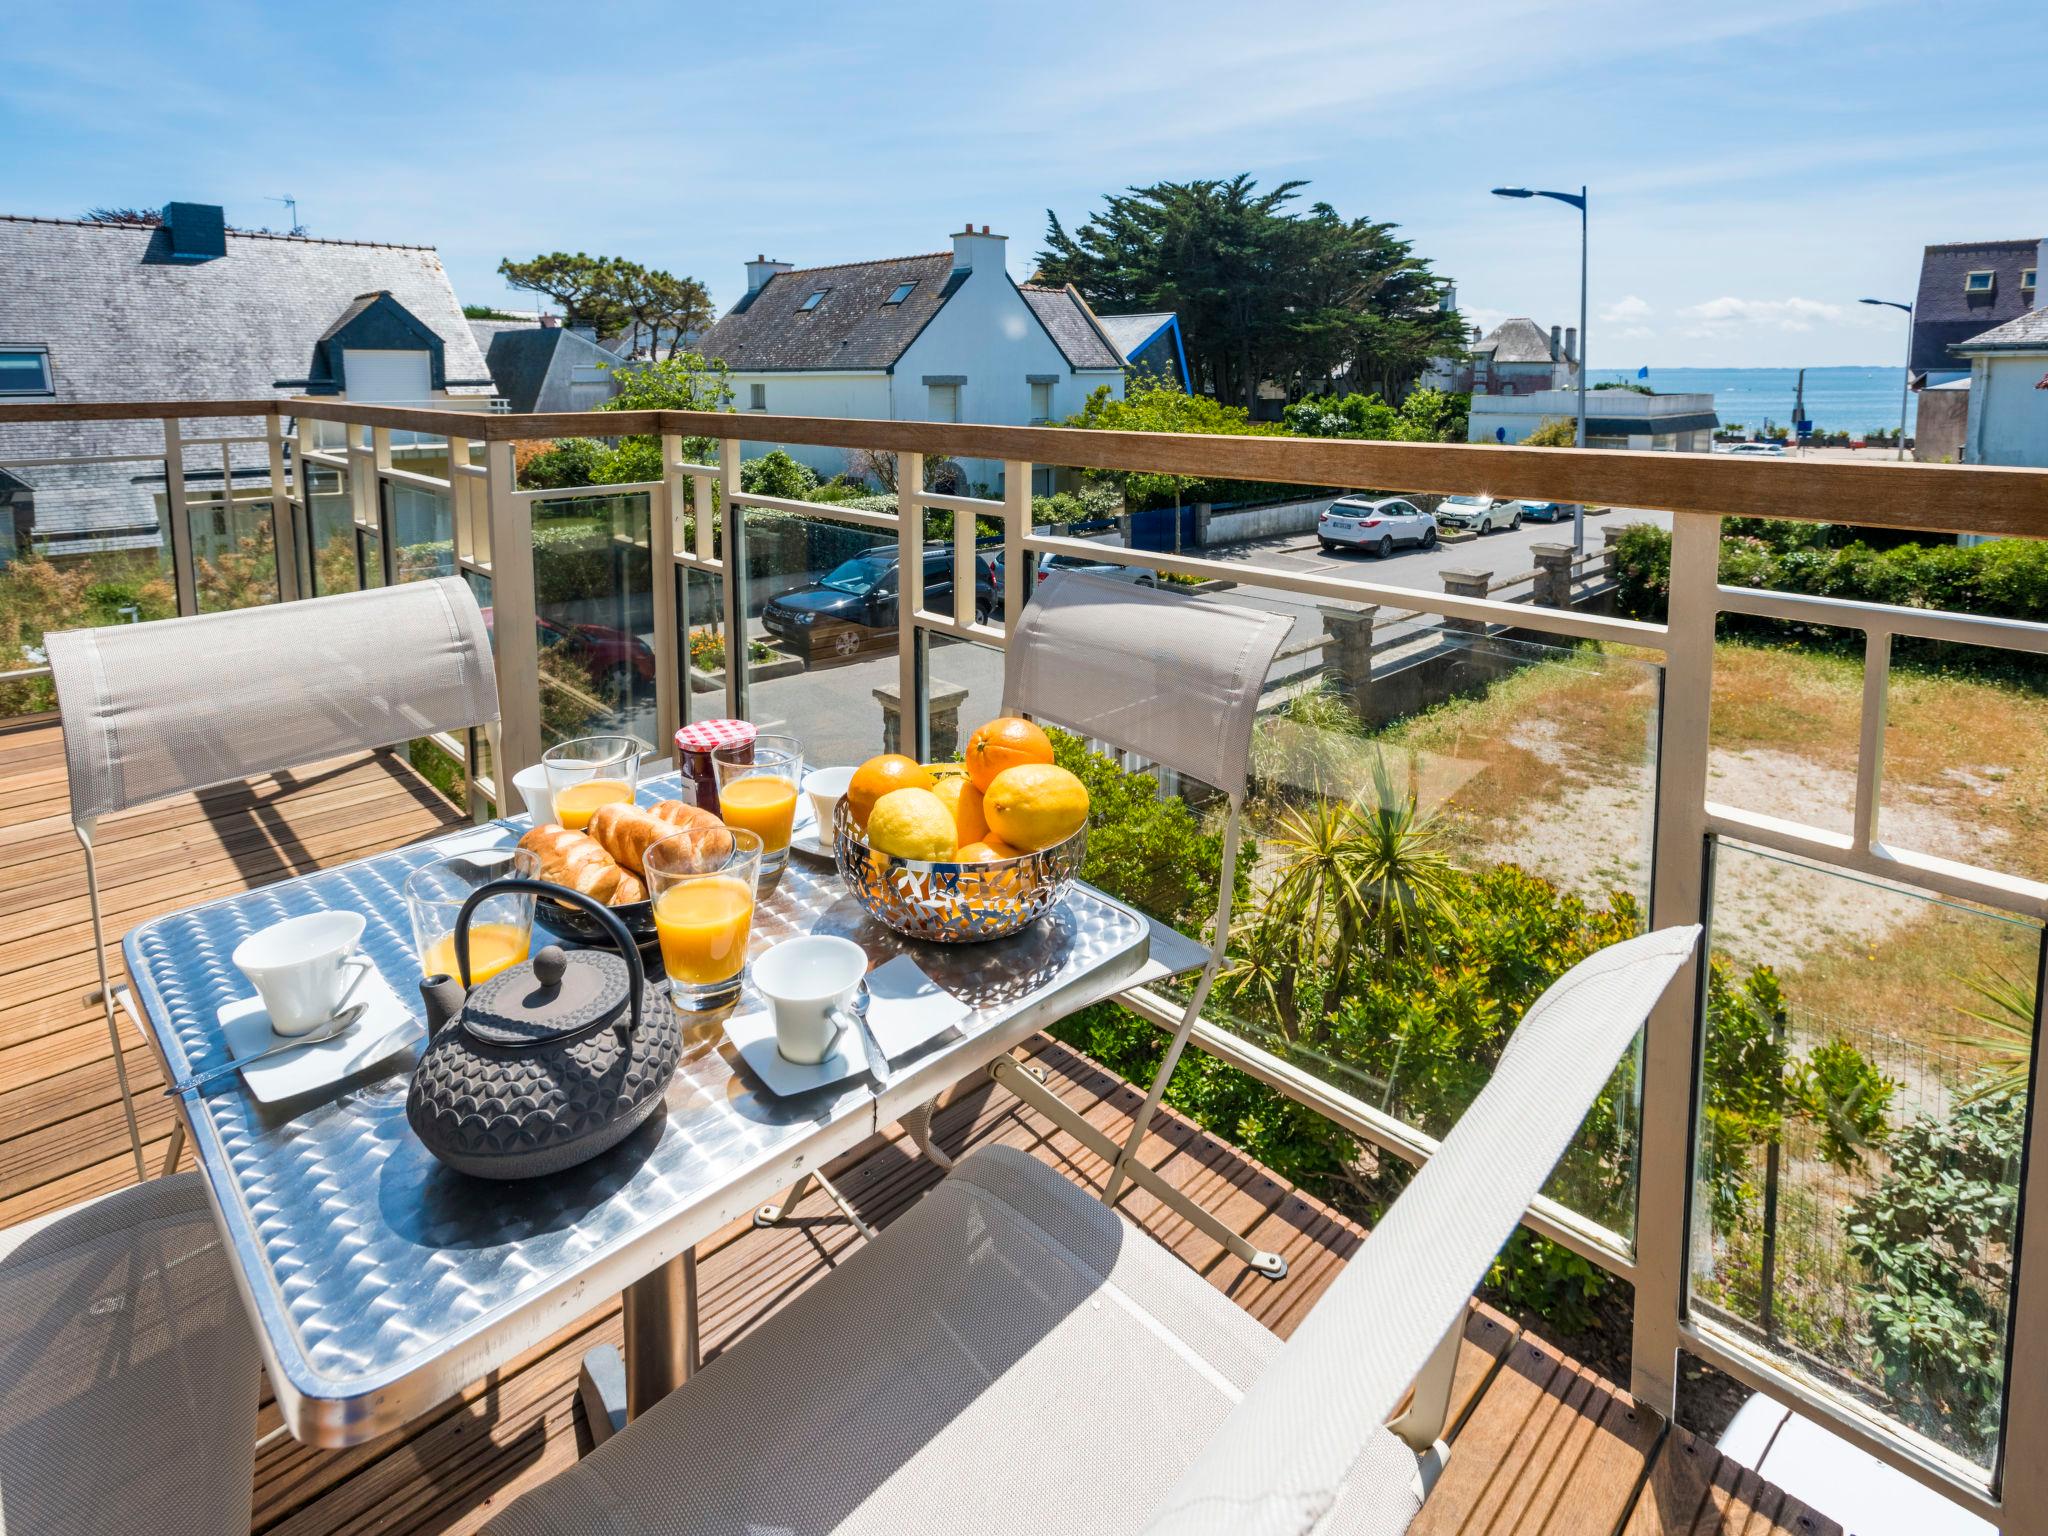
(1377, 523)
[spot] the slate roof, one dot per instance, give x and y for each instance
(1944, 315)
(521, 357)
(122, 322)
(1127, 333)
(2028, 333)
(852, 327)
(1072, 326)
(1519, 340)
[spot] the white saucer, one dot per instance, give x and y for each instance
(753, 1035)
(386, 1028)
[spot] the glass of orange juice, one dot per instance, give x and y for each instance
(703, 914)
(589, 772)
(501, 928)
(757, 789)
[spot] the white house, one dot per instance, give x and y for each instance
(1615, 418)
(2008, 415)
(941, 337)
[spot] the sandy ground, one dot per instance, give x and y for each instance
(1768, 910)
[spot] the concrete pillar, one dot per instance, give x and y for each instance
(1123, 530)
(945, 699)
(1347, 659)
(1554, 574)
(1465, 584)
(1203, 511)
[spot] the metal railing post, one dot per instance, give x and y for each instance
(515, 642)
(1677, 895)
(2023, 1444)
(184, 576)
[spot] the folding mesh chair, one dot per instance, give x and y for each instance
(1174, 680)
(169, 708)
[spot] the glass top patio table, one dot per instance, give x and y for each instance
(382, 1283)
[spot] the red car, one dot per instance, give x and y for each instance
(612, 658)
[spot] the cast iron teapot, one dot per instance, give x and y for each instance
(548, 1063)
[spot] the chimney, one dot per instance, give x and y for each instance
(198, 231)
(1553, 343)
(974, 248)
(1571, 345)
(760, 269)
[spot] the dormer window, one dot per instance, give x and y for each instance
(25, 371)
(817, 298)
(902, 292)
(1980, 282)
(2028, 279)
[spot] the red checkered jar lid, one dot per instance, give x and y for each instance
(706, 735)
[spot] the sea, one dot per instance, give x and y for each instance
(1837, 399)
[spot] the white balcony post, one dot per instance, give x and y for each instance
(284, 523)
(731, 557)
(380, 460)
(179, 516)
(515, 644)
(914, 717)
(1677, 895)
(664, 518)
(1016, 528)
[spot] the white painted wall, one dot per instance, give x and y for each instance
(861, 396)
(2008, 413)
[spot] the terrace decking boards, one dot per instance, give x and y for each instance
(1540, 1444)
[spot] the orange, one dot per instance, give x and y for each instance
(1001, 744)
(1035, 805)
(987, 851)
(964, 801)
(877, 777)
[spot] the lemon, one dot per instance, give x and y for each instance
(1035, 805)
(912, 824)
(964, 801)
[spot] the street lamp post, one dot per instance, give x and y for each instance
(1905, 384)
(1577, 200)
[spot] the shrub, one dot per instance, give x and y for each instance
(775, 473)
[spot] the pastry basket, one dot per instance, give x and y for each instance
(953, 903)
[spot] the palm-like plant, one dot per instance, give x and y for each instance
(2007, 1039)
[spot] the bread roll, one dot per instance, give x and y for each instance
(712, 844)
(628, 831)
(579, 862)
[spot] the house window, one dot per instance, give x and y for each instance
(24, 371)
(1980, 282)
(816, 298)
(902, 292)
(1041, 401)
(2028, 279)
(757, 397)
(942, 402)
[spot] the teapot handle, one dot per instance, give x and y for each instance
(621, 938)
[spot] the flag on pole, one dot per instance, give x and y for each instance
(1642, 373)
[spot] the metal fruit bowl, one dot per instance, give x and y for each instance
(953, 903)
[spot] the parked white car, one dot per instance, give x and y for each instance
(1374, 523)
(1755, 450)
(1480, 512)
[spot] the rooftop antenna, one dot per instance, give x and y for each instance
(291, 207)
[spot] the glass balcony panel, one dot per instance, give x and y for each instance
(819, 610)
(330, 531)
(422, 523)
(1863, 1101)
(594, 597)
(234, 553)
(1785, 725)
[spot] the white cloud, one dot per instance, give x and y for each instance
(1630, 311)
(1717, 316)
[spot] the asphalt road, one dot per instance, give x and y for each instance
(833, 708)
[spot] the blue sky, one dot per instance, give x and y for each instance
(1755, 167)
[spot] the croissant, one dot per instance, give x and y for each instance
(626, 832)
(580, 862)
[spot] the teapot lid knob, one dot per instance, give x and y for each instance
(550, 965)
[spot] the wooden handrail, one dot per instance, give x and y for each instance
(1948, 498)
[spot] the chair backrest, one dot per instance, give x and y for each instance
(166, 708)
(1296, 1453)
(1171, 677)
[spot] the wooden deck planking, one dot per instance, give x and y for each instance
(1540, 1444)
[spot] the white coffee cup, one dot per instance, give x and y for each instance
(809, 983)
(305, 968)
(826, 787)
(532, 784)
